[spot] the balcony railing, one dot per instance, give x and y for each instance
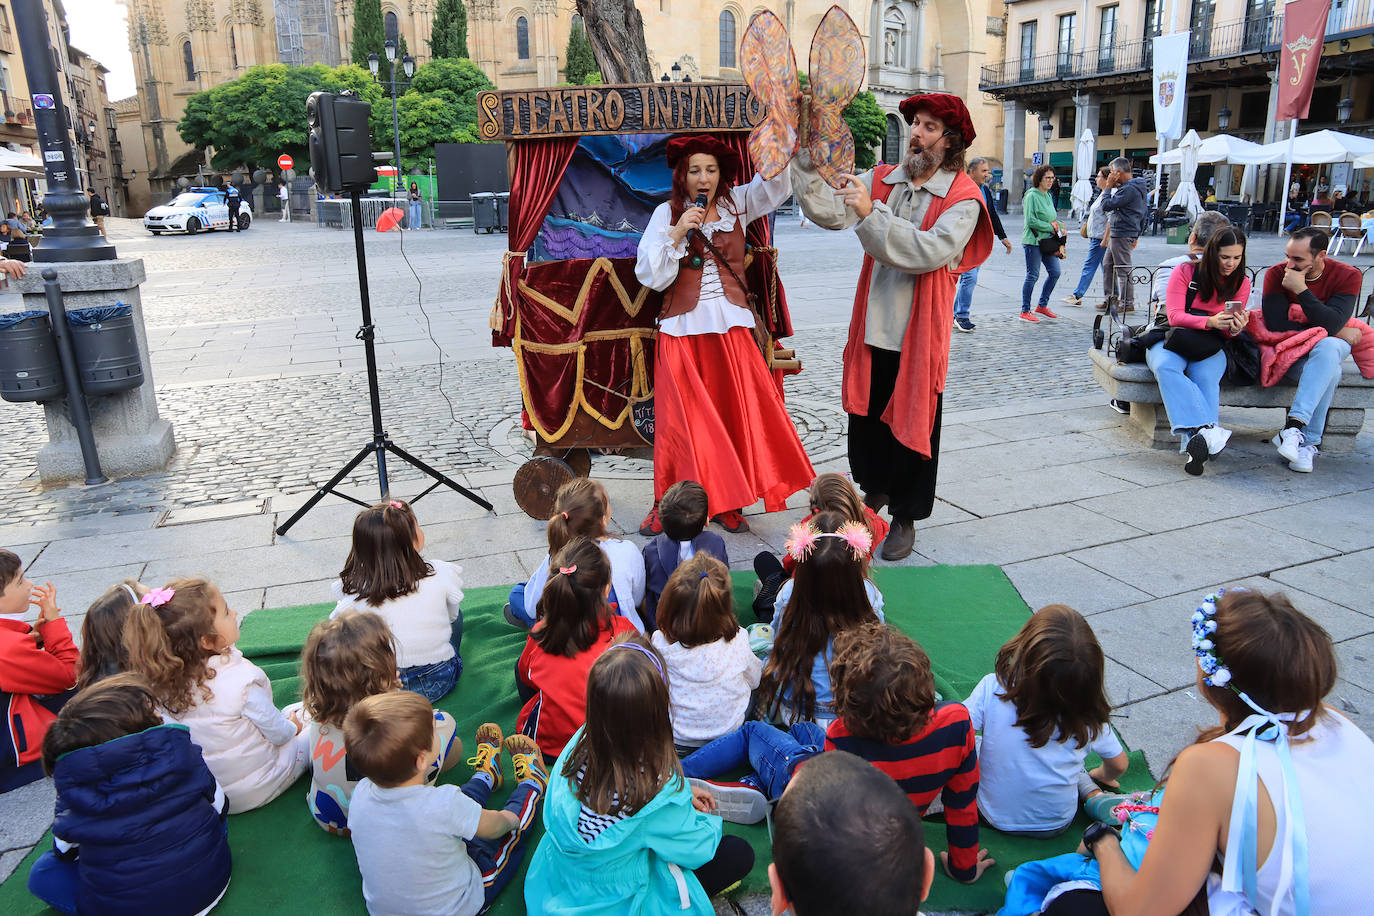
(18, 109)
(1349, 16)
(1123, 56)
(1240, 36)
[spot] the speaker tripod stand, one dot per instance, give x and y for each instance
(380, 443)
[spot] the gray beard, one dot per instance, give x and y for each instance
(918, 164)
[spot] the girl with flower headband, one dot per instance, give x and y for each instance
(575, 626)
(102, 633)
(583, 509)
(181, 639)
(624, 830)
(419, 599)
(1265, 794)
(829, 594)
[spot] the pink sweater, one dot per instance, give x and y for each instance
(1177, 295)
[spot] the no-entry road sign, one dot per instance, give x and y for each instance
(284, 162)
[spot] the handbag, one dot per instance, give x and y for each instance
(1192, 344)
(1083, 229)
(1054, 243)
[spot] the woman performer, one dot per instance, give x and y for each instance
(719, 416)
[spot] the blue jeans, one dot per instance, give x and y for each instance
(1095, 253)
(416, 215)
(1191, 391)
(498, 860)
(1034, 258)
(1296, 220)
(771, 752)
(1317, 374)
(963, 293)
(54, 881)
(517, 605)
(433, 682)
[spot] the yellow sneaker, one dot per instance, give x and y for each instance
(527, 761)
(488, 759)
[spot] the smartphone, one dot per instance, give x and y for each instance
(1235, 306)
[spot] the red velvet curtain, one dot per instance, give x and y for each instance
(536, 168)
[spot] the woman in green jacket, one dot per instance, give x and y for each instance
(1041, 220)
(625, 833)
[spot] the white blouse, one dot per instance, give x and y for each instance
(657, 264)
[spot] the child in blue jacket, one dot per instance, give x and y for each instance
(683, 513)
(139, 826)
(625, 833)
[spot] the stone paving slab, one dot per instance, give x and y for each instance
(1357, 661)
(1344, 580)
(1017, 536)
(1064, 580)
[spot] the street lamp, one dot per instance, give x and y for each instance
(1126, 125)
(665, 78)
(1223, 118)
(1344, 109)
(408, 65)
(1046, 128)
(677, 72)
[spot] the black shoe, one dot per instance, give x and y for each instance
(901, 538)
(875, 501)
(770, 572)
(963, 324)
(1198, 453)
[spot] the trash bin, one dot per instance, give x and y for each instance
(1178, 235)
(106, 348)
(484, 215)
(29, 368)
(503, 210)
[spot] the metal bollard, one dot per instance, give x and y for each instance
(76, 398)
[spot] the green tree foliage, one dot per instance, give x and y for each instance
(369, 35)
(868, 124)
(440, 107)
(581, 63)
(449, 37)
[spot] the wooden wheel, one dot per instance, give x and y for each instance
(537, 482)
(580, 461)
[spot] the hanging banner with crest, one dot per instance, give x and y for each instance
(1170, 84)
(1304, 31)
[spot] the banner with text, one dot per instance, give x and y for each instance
(1170, 79)
(1304, 31)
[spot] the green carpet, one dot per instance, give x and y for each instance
(284, 863)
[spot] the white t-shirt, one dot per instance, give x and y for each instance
(709, 685)
(1023, 787)
(422, 621)
(627, 580)
(411, 850)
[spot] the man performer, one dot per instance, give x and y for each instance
(921, 223)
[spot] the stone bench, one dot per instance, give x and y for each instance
(1134, 382)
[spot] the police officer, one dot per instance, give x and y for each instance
(232, 201)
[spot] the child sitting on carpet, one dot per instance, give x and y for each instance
(682, 511)
(1041, 710)
(830, 492)
(140, 821)
(347, 659)
(434, 849)
(575, 626)
(419, 599)
(582, 509)
(37, 668)
(102, 633)
(711, 669)
(181, 639)
(624, 832)
(829, 594)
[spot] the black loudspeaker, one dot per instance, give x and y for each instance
(340, 142)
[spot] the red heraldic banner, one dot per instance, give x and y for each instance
(1304, 31)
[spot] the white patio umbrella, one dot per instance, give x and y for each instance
(1186, 195)
(11, 159)
(1218, 148)
(1365, 162)
(1320, 148)
(7, 171)
(1084, 164)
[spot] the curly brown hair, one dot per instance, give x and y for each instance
(884, 689)
(346, 660)
(1039, 174)
(166, 644)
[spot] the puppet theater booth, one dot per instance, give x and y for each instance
(587, 169)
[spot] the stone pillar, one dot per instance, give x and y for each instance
(918, 47)
(422, 14)
(1013, 152)
(483, 15)
(130, 436)
(545, 46)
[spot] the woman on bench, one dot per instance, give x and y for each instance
(1205, 302)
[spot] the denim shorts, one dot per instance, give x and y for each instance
(433, 682)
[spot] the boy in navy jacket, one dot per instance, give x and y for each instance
(683, 512)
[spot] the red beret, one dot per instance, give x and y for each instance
(683, 147)
(946, 107)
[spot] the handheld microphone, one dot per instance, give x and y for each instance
(700, 202)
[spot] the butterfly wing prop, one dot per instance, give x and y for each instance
(836, 73)
(770, 70)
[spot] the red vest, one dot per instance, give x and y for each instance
(925, 346)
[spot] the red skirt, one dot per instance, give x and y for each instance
(719, 420)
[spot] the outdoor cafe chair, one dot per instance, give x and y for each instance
(1320, 219)
(1351, 228)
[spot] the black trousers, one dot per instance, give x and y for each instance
(881, 464)
(733, 860)
(234, 217)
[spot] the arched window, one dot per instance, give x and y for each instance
(189, 61)
(577, 25)
(727, 38)
(393, 29)
(522, 38)
(894, 38)
(233, 49)
(894, 142)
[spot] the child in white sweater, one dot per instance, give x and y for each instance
(711, 669)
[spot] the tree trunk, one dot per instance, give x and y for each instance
(616, 31)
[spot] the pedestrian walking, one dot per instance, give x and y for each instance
(284, 195)
(980, 170)
(417, 211)
(1127, 212)
(1042, 221)
(232, 201)
(99, 210)
(1097, 231)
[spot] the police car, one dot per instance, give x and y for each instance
(194, 210)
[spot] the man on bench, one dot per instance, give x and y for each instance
(1310, 290)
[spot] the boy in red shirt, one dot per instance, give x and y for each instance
(37, 667)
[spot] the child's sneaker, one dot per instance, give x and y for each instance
(488, 759)
(527, 761)
(735, 802)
